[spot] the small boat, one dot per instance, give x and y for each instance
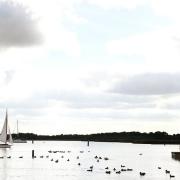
(18, 140)
(5, 136)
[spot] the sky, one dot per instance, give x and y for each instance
(90, 66)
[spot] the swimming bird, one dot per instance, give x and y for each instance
(57, 161)
(123, 170)
(167, 172)
(118, 172)
(128, 169)
(142, 173)
(79, 164)
(108, 172)
(107, 168)
(20, 157)
(171, 176)
(90, 170)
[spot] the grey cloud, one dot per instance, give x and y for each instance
(78, 99)
(17, 27)
(149, 84)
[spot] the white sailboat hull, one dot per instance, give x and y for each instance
(19, 141)
(5, 145)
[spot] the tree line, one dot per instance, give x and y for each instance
(133, 137)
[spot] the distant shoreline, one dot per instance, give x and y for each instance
(123, 137)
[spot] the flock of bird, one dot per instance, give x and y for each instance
(107, 169)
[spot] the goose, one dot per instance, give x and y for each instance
(118, 172)
(167, 172)
(108, 172)
(171, 176)
(128, 169)
(89, 170)
(142, 173)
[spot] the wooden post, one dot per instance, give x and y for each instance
(88, 143)
(32, 154)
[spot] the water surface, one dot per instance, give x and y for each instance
(153, 156)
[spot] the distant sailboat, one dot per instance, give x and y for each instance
(5, 136)
(18, 140)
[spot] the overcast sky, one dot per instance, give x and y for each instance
(90, 66)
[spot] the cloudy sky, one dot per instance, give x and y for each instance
(88, 66)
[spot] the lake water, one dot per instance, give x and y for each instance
(26, 168)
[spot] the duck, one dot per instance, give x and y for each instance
(129, 169)
(108, 172)
(123, 170)
(142, 173)
(89, 170)
(171, 176)
(167, 172)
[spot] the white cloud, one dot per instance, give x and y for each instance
(159, 49)
(116, 4)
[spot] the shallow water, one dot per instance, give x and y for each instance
(119, 154)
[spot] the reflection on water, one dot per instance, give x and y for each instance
(71, 160)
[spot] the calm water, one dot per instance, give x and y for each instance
(118, 153)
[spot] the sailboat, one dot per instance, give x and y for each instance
(5, 136)
(18, 140)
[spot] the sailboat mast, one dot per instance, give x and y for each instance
(17, 128)
(6, 125)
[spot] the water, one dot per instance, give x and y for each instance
(119, 154)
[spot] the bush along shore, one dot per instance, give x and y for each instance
(129, 137)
